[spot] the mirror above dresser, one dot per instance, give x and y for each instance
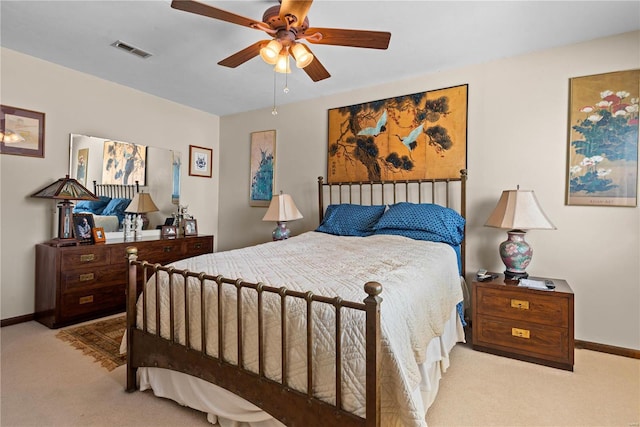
(117, 170)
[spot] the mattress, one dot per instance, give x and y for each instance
(420, 280)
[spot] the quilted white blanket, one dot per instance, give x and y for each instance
(421, 285)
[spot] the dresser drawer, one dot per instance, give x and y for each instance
(91, 277)
(161, 251)
(84, 257)
(75, 304)
(524, 338)
(545, 309)
(197, 246)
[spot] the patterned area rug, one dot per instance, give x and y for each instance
(100, 340)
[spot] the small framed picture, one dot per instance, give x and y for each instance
(98, 235)
(83, 227)
(200, 159)
(169, 232)
(190, 227)
(21, 132)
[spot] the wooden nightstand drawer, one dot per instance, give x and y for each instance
(524, 338)
(523, 306)
(526, 324)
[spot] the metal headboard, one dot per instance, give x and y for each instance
(116, 190)
(440, 191)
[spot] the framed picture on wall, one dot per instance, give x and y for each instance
(21, 132)
(602, 155)
(262, 166)
(200, 161)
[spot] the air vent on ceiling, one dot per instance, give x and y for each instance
(133, 50)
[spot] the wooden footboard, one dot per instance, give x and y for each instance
(147, 348)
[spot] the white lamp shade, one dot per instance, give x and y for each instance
(519, 209)
(142, 203)
(282, 208)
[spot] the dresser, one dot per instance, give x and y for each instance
(526, 324)
(78, 283)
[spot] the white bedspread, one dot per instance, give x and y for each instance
(420, 283)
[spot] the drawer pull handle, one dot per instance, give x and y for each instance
(519, 304)
(167, 248)
(87, 257)
(521, 333)
(86, 300)
(86, 277)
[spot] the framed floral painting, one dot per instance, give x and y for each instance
(602, 156)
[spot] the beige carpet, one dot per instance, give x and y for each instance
(46, 382)
(99, 339)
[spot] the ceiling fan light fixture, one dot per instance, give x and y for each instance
(282, 64)
(270, 52)
(302, 55)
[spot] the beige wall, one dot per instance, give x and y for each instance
(78, 103)
(517, 135)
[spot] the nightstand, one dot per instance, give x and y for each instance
(531, 325)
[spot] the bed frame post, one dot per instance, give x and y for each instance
(372, 308)
(321, 199)
(132, 255)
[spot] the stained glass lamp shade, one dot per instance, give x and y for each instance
(64, 190)
(282, 209)
(518, 211)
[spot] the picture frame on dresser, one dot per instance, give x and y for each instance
(169, 232)
(83, 225)
(98, 235)
(190, 227)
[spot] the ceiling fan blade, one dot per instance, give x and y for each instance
(353, 38)
(244, 55)
(213, 12)
(297, 8)
(316, 70)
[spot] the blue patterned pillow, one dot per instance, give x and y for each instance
(93, 206)
(350, 220)
(424, 221)
(116, 207)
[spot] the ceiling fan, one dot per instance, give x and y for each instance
(287, 24)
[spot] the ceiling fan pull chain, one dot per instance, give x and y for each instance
(274, 111)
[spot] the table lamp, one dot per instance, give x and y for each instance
(142, 204)
(281, 209)
(65, 189)
(518, 211)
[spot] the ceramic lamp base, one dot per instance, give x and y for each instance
(516, 255)
(281, 232)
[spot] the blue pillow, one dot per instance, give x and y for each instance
(93, 206)
(350, 220)
(116, 207)
(435, 222)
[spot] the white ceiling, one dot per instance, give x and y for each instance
(427, 37)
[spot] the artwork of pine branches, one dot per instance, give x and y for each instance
(418, 136)
(603, 139)
(263, 159)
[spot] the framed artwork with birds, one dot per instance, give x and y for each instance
(417, 136)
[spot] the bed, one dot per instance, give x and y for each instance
(108, 211)
(289, 336)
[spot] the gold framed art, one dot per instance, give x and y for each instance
(602, 158)
(417, 136)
